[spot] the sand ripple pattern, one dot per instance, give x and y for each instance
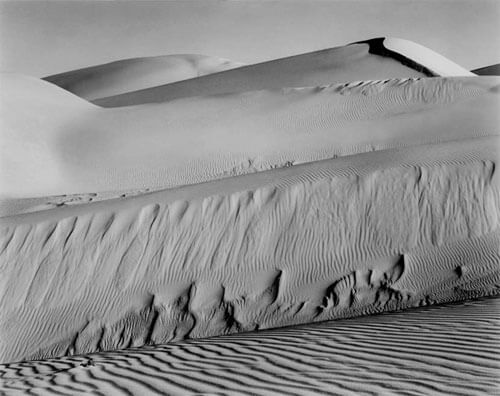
(314, 242)
(443, 350)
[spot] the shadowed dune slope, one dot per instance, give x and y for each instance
(493, 70)
(79, 148)
(350, 236)
(369, 60)
(443, 350)
(138, 73)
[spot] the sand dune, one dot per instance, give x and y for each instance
(270, 195)
(350, 236)
(444, 350)
(419, 56)
(79, 148)
(375, 59)
(493, 70)
(138, 73)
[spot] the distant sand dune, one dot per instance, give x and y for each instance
(375, 59)
(75, 147)
(443, 350)
(138, 73)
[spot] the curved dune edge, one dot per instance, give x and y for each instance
(442, 350)
(138, 73)
(492, 70)
(346, 237)
(87, 150)
(417, 57)
(365, 60)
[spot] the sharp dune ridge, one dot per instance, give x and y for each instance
(137, 73)
(416, 56)
(441, 350)
(492, 70)
(378, 58)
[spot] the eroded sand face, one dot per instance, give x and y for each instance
(356, 235)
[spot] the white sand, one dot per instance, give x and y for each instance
(138, 73)
(444, 350)
(75, 147)
(436, 63)
(369, 60)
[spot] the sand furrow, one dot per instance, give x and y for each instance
(305, 360)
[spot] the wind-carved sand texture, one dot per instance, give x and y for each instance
(216, 214)
(337, 238)
(444, 350)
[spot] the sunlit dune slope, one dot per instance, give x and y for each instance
(379, 58)
(138, 73)
(55, 143)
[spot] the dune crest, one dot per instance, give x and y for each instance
(417, 57)
(138, 73)
(366, 60)
(492, 70)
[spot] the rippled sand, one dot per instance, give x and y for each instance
(440, 350)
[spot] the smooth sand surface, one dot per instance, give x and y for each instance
(75, 147)
(138, 73)
(442, 350)
(368, 60)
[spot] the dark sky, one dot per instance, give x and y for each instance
(46, 37)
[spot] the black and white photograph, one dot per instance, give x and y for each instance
(250, 197)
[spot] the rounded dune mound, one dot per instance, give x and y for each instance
(33, 115)
(375, 59)
(138, 73)
(22, 91)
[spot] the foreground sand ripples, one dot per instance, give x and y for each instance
(443, 350)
